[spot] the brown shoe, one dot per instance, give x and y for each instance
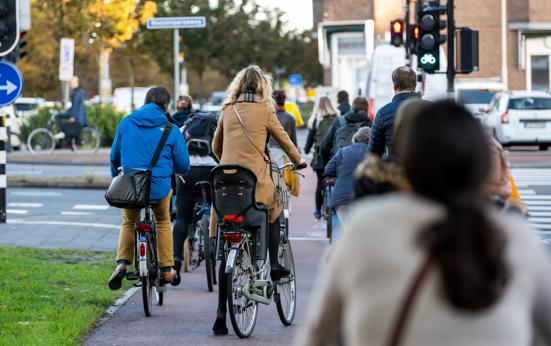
(167, 277)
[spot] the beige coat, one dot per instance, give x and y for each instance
(232, 146)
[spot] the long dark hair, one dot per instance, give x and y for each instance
(446, 159)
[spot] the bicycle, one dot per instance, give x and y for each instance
(327, 210)
(45, 139)
(148, 267)
(242, 243)
(198, 246)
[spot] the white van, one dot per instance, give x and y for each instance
(122, 98)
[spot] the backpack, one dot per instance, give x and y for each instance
(198, 131)
(345, 132)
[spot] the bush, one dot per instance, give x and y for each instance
(104, 118)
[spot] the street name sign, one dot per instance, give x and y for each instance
(177, 22)
(11, 83)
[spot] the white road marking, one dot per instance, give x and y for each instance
(540, 214)
(539, 220)
(36, 194)
(91, 207)
(539, 208)
(17, 211)
(76, 213)
(25, 205)
(307, 239)
(527, 192)
(63, 223)
(537, 197)
(531, 203)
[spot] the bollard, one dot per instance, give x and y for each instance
(3, 179)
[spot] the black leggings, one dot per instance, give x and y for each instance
(187, 194)
(273, 246)
(319, 189)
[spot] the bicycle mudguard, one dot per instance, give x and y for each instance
(230, 261)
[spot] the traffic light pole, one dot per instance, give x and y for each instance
(408, 36)
(451, 47)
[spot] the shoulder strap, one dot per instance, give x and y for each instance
(408, 300)
(164, 137)
(249, 136)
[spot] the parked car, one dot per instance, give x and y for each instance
(476, 95)
(28, 106)
(122, 98)
(520, 118)
(214, 103)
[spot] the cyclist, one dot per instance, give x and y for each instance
(289, 125)
(77, 111)
(198, 130)
(247, 119)
(184, 108)
(134, 144)
(319, 123)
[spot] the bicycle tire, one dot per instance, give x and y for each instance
(147, 285)
(208, 252)
(89, 140)
(234, 292)
(46, 134)
(187, 255)
(287, 309)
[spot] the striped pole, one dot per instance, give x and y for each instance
(3, 180)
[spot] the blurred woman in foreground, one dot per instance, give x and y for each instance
(436, 266)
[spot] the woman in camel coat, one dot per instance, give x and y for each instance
(250, 99)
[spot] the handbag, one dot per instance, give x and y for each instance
(130, 188)
(292, 181)
(400, 323)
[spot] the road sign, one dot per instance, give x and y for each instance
(11, 83)
(176, 22)
(66, 59)
(295, 80)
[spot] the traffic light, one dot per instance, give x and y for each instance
(430, 38)
(9, 26)
(414, 34)
(18, 53)
(397, 33)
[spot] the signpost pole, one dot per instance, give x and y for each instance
(451, 48)
(3, 178)
(176, 65)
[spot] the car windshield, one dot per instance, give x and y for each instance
(25, 106)
(528, 103)
(474, 96)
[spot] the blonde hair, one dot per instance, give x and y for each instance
(322, 109)
(250, 80)
(184, 102)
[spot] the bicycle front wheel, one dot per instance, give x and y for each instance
(286, 295)
(89, 140)
(208, 253)
(41, 140)
(243, 312)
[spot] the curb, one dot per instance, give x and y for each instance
(119, 303)
(57, 184)
(57, 163)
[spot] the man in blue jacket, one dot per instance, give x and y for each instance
(404, 81)
(134, 144)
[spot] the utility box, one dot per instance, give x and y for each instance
(466, 56)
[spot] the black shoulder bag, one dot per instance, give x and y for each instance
(130, 188)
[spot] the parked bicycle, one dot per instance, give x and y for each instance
(242, 243)
(198, 247)
(327, 210)
(148, 267)
(46, 139)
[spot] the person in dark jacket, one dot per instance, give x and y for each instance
(342, 166)
(77, 111)
(319, 123)
(357, 118)
(184, 108)
(343, 101)
(288, 122)
(404, 81)
(135, 142)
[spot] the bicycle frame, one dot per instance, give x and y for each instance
(145, 230)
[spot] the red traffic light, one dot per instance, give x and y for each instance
(397, 26)
(415, 33)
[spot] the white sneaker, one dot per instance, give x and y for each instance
(60, 135)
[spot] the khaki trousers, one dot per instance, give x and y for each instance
(127, 236)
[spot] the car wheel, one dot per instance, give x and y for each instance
(544, 147)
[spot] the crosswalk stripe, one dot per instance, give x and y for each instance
(75, 213)
(17, 211)
(538, 220)
(539, 213)
(90, 207)
(539, 205)
(25, 205)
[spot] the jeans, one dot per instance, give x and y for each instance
(127, 236)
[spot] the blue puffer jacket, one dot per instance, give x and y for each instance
(135, 142)
(342, 166)
(381, 132)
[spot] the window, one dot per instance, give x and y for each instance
(474, 96)
(540, 72)
(530, 103)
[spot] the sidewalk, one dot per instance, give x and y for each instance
(61, 157)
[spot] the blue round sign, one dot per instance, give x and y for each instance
(11, 83)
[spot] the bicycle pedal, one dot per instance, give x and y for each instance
(132, 276)
(137, 284)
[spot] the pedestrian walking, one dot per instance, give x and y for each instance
(341, 132)
(319, 123)
(77, 111)
(343, 102)
(438, 265)
(135, 142)
(289, 125)
(248, 118)
(404, 81)
(342, 166)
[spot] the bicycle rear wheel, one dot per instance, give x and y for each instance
(207, 248)
(147, 283)
(89, 140)
(41, 140)
(243, 312)
(286, 295)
